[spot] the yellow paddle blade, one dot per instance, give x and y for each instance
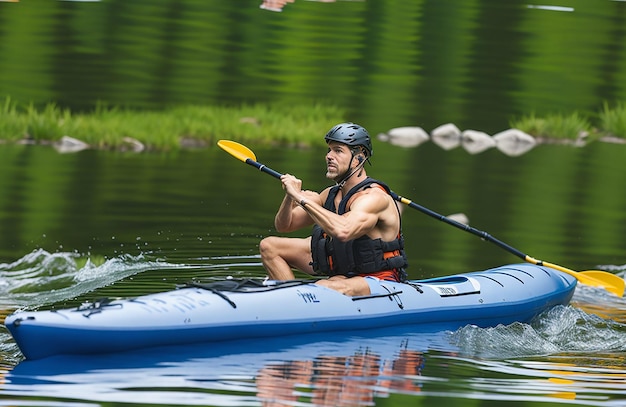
(237, 150)
(594, 278)
(608, 278)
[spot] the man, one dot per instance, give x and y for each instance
(357, 237)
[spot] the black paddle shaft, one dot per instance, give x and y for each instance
(264, 168)
(482, 234)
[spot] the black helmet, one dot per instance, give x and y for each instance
(351, 134)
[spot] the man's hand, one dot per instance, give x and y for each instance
(291, 185)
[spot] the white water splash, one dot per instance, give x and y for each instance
(561, 329)
(619, 269)
(40, 277)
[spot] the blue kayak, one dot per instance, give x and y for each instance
(233, 309)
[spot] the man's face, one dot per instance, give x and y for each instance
(338, 160)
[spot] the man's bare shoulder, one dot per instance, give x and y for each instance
(374, 197)
(375, 190)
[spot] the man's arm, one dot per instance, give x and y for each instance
(361, 219)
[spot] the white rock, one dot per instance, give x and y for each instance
(446, 136)
(475, 142)
(459, 217)
(405, 136)
(514, 142)
(131, 144)
(69, 144)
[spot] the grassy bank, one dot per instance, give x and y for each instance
(182, 126)
(609, 121)
(199, 126)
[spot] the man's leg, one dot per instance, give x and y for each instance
(280, 254)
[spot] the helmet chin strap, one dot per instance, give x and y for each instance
(349, 173)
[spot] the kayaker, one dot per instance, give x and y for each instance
(357, 235)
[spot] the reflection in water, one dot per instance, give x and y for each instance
(328, 370)
(598, 302)
(337, 371)
(277, 5)
(339, 380)
(566, 376)
(474, 63)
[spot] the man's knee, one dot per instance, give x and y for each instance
(267, 246)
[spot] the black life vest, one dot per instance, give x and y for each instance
(363, 255)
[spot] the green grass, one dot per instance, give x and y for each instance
(613, 120)
(106, 128)
(554, 126)
(610, 121)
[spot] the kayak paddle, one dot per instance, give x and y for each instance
(594, 278)
(246, 155)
